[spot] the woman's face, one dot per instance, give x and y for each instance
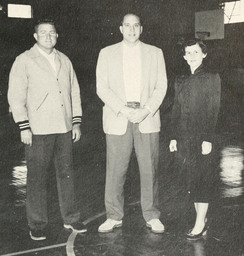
(194, 55)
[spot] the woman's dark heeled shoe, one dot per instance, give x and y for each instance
(191, 236)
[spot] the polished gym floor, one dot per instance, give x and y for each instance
(225, 236)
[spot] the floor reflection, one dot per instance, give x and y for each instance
(19, 175)
(198, 248)
(224, 237)
(231, 175)
(231, 171)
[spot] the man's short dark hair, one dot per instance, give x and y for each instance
(44, 21)
(194, 41)
(130, 14)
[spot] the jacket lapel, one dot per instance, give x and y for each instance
(118, 68)
(145, 62)
(43, 62)
(57, 62)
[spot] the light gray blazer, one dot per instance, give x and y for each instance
(110, 87)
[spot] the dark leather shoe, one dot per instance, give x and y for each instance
(78, 227)
(191, 236)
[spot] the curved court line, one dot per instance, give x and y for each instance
(71, 239)
(70, 242)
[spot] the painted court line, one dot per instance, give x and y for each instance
(35, 250)
(71, 239)
(70, 242)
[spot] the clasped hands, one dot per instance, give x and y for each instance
(134, 115)
(206, 147)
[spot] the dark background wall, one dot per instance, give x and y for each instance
(87, 26)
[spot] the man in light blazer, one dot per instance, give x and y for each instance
(132, 83)
(44, 97)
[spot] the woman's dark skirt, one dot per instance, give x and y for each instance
(197, 172)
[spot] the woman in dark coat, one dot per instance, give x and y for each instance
(194, 117)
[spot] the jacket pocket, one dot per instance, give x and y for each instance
(42, 99)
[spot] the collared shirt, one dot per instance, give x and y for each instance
(50, 57)
(132, 71)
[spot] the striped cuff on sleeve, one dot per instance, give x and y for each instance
(24, 125)
(76, 120)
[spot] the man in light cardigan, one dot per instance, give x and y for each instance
(44, 97)
(132, 83)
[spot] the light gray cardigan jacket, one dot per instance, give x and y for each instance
(41, 99)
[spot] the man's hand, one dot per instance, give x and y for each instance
(26, 137)
(126, 111)
(76, 132)
(206, 147)
(173, 146)
(138, 115)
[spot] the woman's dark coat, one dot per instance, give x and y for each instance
(194, 118)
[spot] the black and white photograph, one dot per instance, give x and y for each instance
(122, 127)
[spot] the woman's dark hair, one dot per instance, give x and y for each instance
(194, 41)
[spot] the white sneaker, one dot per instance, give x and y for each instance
(156, 226)
(109, 225)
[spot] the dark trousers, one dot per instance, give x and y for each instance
(44, 150)
(119, 149)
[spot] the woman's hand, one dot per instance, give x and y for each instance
(206, 147)
(173, 146)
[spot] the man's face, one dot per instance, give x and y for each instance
(131, 29)
(194, 55)
(46, 37)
